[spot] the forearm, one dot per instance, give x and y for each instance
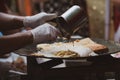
(13, 42)
(9, 22)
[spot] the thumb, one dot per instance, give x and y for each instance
(50, 16)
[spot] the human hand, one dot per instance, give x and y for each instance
(38, 19)
(44, 33)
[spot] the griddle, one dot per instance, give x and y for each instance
(113, 47)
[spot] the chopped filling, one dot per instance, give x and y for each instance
(66, 54)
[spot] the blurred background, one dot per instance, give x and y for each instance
(103, 21)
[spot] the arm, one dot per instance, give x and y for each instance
(12, 42)
(9, 22)
(43, 33)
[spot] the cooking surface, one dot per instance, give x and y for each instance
(112, 46)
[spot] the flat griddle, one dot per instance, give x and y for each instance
(113, 47)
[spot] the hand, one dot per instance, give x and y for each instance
(117, 35)
(38, 19)
(44, 33)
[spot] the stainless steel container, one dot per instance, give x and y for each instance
(73, 15)
(70, 20)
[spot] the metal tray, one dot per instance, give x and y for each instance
(113, 47)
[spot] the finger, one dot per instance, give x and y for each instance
(54, 34)
(53, 38)
(58, 33)
(50, 16)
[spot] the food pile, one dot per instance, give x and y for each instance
(78, 48)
